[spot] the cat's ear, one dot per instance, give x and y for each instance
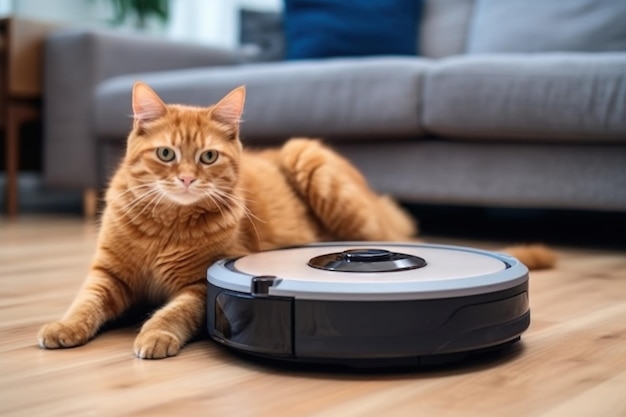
(229, 109)
(147, 106)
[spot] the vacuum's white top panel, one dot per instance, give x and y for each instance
(450, 271)
(291, 264)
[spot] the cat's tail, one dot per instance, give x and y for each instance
(534, 256)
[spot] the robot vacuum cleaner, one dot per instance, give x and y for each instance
(368, 304)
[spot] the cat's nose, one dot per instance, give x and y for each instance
(186, 180)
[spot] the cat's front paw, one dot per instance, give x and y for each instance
(156, 344)
(62, 335)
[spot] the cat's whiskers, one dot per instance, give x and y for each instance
(244, 199)
(226, 198)
(159, 195)
(207, 193)
(238, 201)
(221, 201)
(128, 209)
(137, 200)
(157, 203)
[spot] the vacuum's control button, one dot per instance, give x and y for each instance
(260, 285)
(366, 255)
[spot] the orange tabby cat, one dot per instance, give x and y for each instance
(186, 194)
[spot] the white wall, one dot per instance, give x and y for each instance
(206, 21)
(5, 7)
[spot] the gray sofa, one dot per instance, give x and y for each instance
(530, 113)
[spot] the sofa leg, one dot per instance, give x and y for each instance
(90, 203)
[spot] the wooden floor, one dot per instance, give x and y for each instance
(571, 362)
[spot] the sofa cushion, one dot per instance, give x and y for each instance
(340, 28)
(529, 26)
(543, 96)
(342, 98)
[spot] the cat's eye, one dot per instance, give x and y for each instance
(166, 154)
(208, 157)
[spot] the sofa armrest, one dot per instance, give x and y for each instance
(75, 62)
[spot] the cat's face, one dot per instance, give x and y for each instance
(184, 155)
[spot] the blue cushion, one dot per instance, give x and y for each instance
(348, 28)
